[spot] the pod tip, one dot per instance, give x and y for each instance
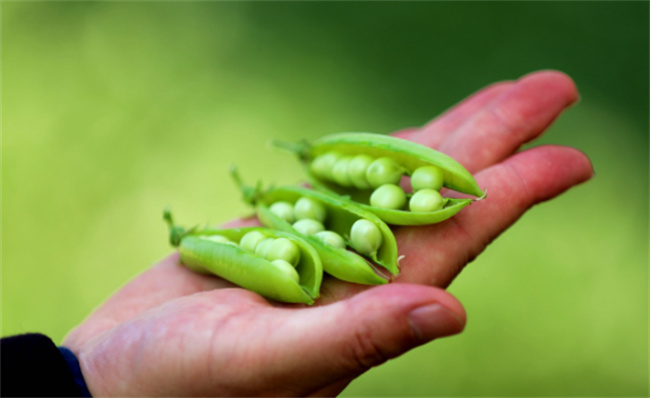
(482, 196)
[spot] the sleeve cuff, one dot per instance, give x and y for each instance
(78, 377)
(33, 366)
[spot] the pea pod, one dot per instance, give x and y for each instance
(199, 252)
(342, 264)
(409, 155)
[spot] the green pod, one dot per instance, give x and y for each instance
(408, 154)
(341, 215)
(248, 270)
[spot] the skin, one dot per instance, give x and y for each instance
(173, 332)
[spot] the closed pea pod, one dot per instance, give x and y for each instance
(408, 155)
(342, 264)
(246, 269)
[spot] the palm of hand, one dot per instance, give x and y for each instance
(174, 332)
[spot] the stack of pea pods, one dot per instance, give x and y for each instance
(339, 226)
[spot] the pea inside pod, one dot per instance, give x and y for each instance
(391, 154)
(230, 254)
(340, 217)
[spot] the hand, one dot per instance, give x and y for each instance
(173, 332)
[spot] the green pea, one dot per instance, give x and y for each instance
(384, 171)
(338, 262)
(403, 156)
(309, 208)
(427, 177)
(283, 249)
(251, 240)
(322, 165)
(287, 268)
(308, 226)
(218, 239)
(365, 237)
(426, 200)
(340, 171)
(331, 238)
(284, 210)
(357, 171)
(262, 248)
(388, 196)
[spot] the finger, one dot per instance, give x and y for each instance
(406, 133)
(437, 130)
(514, 186)
(346, 338)
(243, 222)
(518, 115)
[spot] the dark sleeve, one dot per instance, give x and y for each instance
(33, 366)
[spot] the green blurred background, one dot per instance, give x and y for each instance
(113, 110)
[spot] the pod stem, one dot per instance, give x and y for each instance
(249, 194)
(299, 148)
(176, 233)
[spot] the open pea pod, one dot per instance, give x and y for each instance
(200, 252)
(341, 215)
(409, 155)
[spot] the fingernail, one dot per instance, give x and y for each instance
(432, 321)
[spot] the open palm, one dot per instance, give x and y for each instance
(173, 332)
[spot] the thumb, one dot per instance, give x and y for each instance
(347, 338)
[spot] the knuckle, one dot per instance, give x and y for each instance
(364, 351)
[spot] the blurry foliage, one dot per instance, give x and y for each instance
(112, 110)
